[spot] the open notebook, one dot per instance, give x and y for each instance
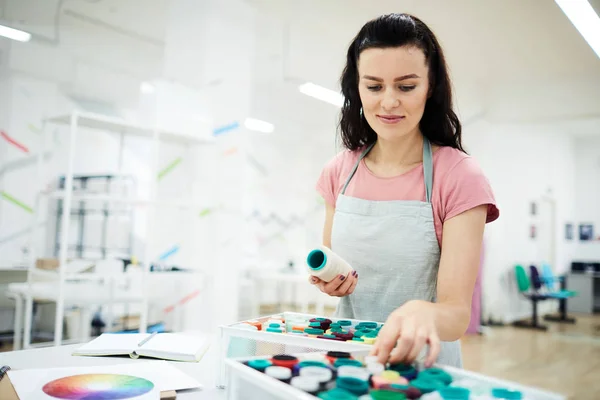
(166, 346)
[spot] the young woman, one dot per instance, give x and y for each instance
(406, 206)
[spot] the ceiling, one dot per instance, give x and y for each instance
(510, 59)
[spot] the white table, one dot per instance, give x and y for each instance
(204, 371)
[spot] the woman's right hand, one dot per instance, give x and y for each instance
(340, 286)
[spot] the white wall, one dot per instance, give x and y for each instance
(524, 164)
(587, 183)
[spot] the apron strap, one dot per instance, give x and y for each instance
(363, 154)
(427, 168)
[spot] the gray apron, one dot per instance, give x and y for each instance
(393, 247)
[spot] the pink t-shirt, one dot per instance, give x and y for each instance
(458, 184)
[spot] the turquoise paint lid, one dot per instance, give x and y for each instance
(427, 385)
(347, 361)
(274, 330)
(436, 373)
(311, 363)
(501, 393)
(259, 364)
(454, 393)
(344, 322)
(314, 331)
(353, 385)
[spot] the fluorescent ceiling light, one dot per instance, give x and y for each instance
(258, 125)
(147, 88)
(585, 19)
(323, 94)
(14, 34)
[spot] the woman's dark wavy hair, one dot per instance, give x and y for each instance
(439, 123)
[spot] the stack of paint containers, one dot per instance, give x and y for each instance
(340, 376)
(322, 328)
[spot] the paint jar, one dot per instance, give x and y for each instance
(326, 265)
(353, 371)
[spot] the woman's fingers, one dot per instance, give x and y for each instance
(419, 343)
(434, 349)
(405, 343)
(335, 283)
(386, 340)
(343, 288)
(353, 286)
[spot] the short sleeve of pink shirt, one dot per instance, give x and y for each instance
(459, 184)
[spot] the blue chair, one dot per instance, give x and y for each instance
(544, 284)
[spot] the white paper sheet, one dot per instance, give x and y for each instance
(29, 383)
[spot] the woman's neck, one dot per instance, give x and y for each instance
(403, 152)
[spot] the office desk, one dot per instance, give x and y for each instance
(587, 286)
(204, 371)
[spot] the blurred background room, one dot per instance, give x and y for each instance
(165, 154)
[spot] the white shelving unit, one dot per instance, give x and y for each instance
(76, 121)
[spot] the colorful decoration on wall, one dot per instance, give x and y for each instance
(12, 141)
(164, 256)
(169, 168)
(205, 212)
(16, 202)
(34, 129)
(230, 151)
(182, 301)
(224, 129)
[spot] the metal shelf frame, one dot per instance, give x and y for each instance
(75, 121)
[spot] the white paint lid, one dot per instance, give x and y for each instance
(277, 372)
(354, 372)
(307, 383)
(375, 368)
(320, 373)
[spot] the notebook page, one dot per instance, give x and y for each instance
(112, 343)
(175, 344)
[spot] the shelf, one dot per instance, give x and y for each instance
(116, 125)
(60, 194)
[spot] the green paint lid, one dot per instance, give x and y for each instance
(337, 394)
(344, 322)
(382, 394)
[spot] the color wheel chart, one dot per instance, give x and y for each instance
(98, 387)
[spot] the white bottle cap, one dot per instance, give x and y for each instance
(319, 373)
(277, 372)
(307, 383)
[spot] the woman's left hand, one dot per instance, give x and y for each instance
(406, 332)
